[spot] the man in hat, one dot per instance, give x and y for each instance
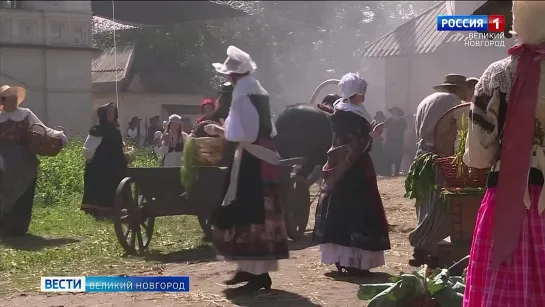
(470, 83)
(395, 127)
(252, 208)
(432, 220)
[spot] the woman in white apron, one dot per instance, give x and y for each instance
(248, 228)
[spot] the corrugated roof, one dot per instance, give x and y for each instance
(112, 64)
(418, 35)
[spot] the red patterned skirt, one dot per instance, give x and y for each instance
(517, 282)
(252, 226)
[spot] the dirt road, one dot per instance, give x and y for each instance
(301, 281)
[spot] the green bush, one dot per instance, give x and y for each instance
(60, 178)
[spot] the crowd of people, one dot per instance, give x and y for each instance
(350, 223)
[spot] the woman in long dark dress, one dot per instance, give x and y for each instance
(248, 228)
(351, 224)
(18, 164)
(106, 164)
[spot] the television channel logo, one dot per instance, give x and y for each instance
(474, 23)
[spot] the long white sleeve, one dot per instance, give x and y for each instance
(482, 146)
(90, 146)
(242, 123)
(33, 119)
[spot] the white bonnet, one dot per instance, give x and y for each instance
(528, 21)
(237, 62)
(174, 118)
(158, 134)
(351, 84)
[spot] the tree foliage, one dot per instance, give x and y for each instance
(296, 44)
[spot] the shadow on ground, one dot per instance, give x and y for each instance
(267, 298)
(304, 242)
(31, 242)
(203, 253)
(375, 278)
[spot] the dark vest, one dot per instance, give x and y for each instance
(261, 104)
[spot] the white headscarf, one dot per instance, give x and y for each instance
(237, 62)
(349, 85)
(174, 118)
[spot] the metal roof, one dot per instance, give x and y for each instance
(112, 64)
(417, 36)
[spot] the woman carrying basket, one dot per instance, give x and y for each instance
(508, 119)
(18, 164)
(248, 227)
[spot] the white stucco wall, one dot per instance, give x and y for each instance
(410, 79)
(49, 54)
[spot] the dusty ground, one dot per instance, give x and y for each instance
(301, 281)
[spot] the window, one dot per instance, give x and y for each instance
(56, 30)
(25, 30)
(78, 33)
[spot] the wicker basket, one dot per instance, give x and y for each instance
(470, 177)
(43, 144)
(209, 151)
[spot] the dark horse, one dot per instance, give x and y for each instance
(305, 131)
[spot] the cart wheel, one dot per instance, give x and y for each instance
(206, 227)
(297, 207)
(133, 230)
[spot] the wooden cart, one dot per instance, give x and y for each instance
(147, 193)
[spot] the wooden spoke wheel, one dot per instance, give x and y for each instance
(132, 228)
(297, 207)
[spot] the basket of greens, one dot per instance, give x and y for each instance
(455, 172)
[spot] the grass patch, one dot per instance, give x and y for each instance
(63, 241)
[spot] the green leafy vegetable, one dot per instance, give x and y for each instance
(421, 176)
(460, 149)
(368, 291)
(448, 291)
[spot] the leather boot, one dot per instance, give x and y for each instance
(239, 277)
(257, 283)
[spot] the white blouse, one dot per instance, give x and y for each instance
(90, 146)
(22, 113)
(242, 123)
(132, 133)
(481, 147)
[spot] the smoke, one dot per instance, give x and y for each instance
(331, 45)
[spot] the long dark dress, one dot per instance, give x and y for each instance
(350, 211)
(18, 173)
(105, 170)
(252, 227)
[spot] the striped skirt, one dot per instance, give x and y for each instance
(519, 281)
(432, 217)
